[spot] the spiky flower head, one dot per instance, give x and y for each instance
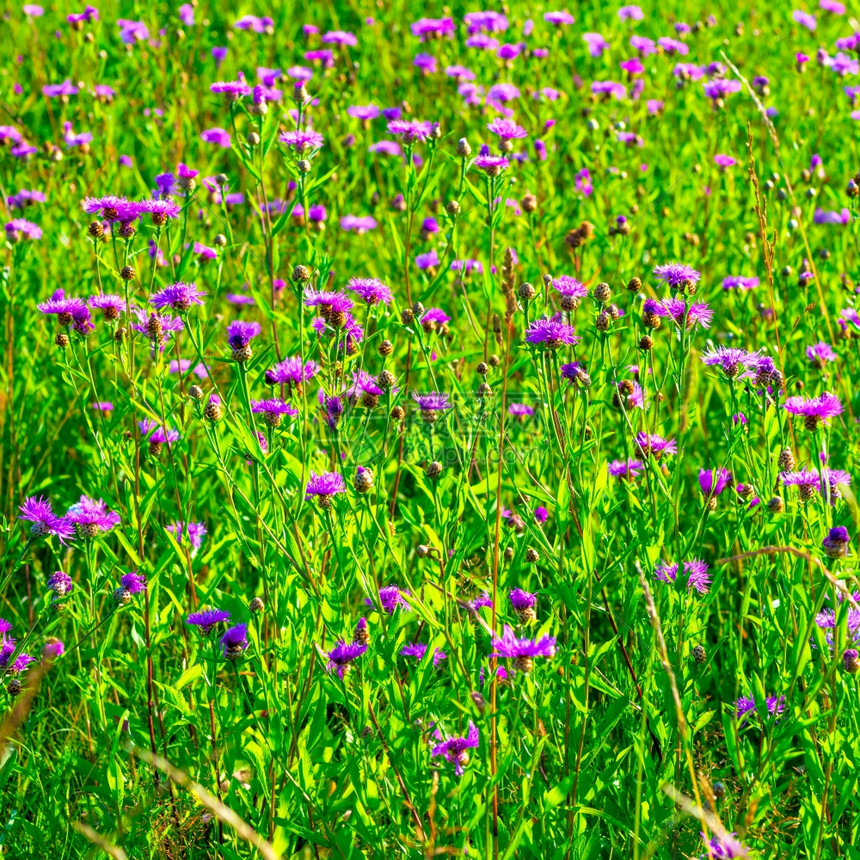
(179, 296)
(815, 410)
(731, 360)
(92, 517)
(207, 619)
(341, 657)
(552, 333)
(419, 649)
(370, 290)
(453, 750)
(390, 597)
(696, 572)
(37, 510)
(522, 651)
(836, 543)
(234, 641)
(675, 274)
(656, 446)
(324, 486)
(713, 481)
(629, 469)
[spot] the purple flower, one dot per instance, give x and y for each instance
(65, 89)
(821, 216)
(558, 18)
(92, 517)
(390, 597)
(739, 282)
(649, 443)
(430, 404)
(492, 165)
(427, 261)
(339, 37)
(628, 469)
(541, 514)
(159, 210)
(820, 353)
(836, 543)
(731, 360)
(37, 510)
(60, 583)
(133, 582)
(155, 434)
(66, 310)
(217, 136)
(520, 410)
(207, 619)
(234, 641)
(453, 750)
(302, 140)
(521, 601)
(426, 28)
(552, 332)
(522, 651)
(630, 13)
(179, 296)
(324, 486)
(724, 847)
(195, 531)
(19, 228)
(411, 131)
(815, 410)
(419, 649)
(19, 664)
(507, 129)
(675, 274)
(695, 570)
(696, 313)
(724, 161)
(804, 19)
(273, 409)
(343, 655)
(745, 705)
(240, 333)
(292, 373)
(569, 286)
(713, 481)
(252, 22)
(719, 88)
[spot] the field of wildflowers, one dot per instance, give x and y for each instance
(429, 431)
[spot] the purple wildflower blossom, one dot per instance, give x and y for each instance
(179, 296)
(195, 532)
(291, 373)
(675, 274)
(731, 360)
(390, 597)
(522, 651)
(551, 332)
(207, 619)
(343, 655)
(419, 649)
(836, 543)
(324, 486)
(695, 570)
(746, 705)
(713, 481)
(453, 750)
(626, 469)
(234, 641)
(820, 353)
(649, 443)
(240, 333)
(38, 511)
(507, 129)
(92, 517)
(133, 582)
(60, 583)
(815, 410)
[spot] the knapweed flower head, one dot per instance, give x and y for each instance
(240, 333)
(522, 651)
(37, 510)
(234, 642)
(207, 619)
(60, 583)
(111, 305)
(194, 532)
(629, 469)
(454, 749)
(689, 315)
(820, 354)
(20, 228)
(731, 360)
(370, 290)
(159, 211)
(740, 282)
(815, 410)
(273, 410)
(155, 433)
(390, 597)
(745, 705)
(431, 405)
(292, 373)
(656, 446)
(569, 286)
(551, 333)
(66, 310)
(11, 663)
(92, 517)
(507, 129)
(676, 274)
(302, 140)
(179, 296)
(836, 543)
(724, 847)
(417, 650)
(411, 131)
(343, 655)
(324, 486)
(713, 481)
(491, 165)
(133, 582)
(696, 572)
(719, 88)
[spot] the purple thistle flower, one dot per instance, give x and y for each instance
(569, 286)
(207, 619)
(302, 140)
(713, 481)
(419, 649)
(20, 228)
(390, 597)
(324, 486)
(234, 641)
(133, 582)
(37, 510)
(153, 432)
(371, 290)
(19, 664)
(575, 372)
(110, 304)
(343, 655)
(836, 543)
(739, 282)
(520, 410)
(725, 847)
(649, 443)
(675, 274)
(492, 165)
(58, 582)
(179, 296)
(696, 313)
(66, 310)
(411, 131)
(552, 332)
(807, 481)
(291, 372)
(731, 360)
(274, 410)
(820, 353)
(522, 600)
(92, 517)
(231, 90)
(453, 750)
(522, 651)
(159, 210)
(746, 705)
(718, 89)
(240, 333)
(695, 570)
(541, 514)
(195, 532)
(628, 469)
(507, 129)
(815, 410)
(558, 18)
(430, 404)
